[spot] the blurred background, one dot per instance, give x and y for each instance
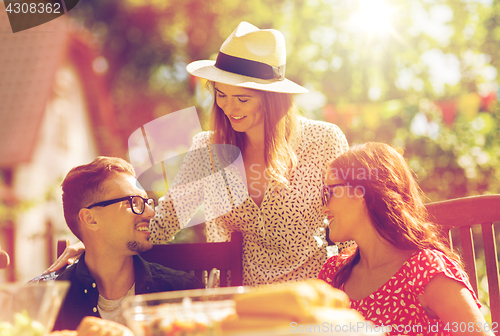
(421, 75)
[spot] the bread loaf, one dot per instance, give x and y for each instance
(94, 326)
(64, 333)
(276, 307)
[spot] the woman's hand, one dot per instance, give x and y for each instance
(68, 257)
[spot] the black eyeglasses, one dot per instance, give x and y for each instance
(137, 203)
(327, 192)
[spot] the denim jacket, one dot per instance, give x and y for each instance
(82, 296)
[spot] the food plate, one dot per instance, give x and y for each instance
(202, 312)
(196, 312)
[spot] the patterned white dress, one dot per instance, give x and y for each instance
(284, 238)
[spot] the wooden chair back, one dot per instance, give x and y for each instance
(467, 213)
(198, 258)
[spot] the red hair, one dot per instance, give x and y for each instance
(393, 198)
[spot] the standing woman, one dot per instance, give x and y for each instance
(285, 157)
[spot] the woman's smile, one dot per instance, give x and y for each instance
(236, 119)
(242, 106)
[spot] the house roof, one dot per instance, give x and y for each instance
(28, 63)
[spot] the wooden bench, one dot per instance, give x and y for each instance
(200, 257)
(464, 214)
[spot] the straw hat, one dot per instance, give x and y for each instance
(252, 58)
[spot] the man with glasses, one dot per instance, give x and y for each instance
(105, 208)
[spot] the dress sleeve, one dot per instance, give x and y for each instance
(335, 144)
(331, 267)
(184, 196)
(428, 264)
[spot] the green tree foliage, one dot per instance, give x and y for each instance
(376, 84)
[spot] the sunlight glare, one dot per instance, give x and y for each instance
(373, 17)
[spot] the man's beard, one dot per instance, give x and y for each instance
(135, 246)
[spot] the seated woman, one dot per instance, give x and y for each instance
(402, 275)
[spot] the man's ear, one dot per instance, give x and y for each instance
(87, 219)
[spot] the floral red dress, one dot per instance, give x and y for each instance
(394, 307)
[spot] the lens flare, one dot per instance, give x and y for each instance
(373, 17)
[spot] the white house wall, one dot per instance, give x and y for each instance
(65, 140)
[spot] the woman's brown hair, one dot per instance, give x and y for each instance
(281, 129)
(393, 198)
